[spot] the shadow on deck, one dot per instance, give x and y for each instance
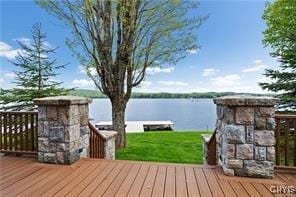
(94, 177)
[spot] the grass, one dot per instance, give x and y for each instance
(163, 146)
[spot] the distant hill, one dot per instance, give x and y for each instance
(97, 94)
(87, 93)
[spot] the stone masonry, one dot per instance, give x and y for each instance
(63, 133)
(109, 145)
(245, 135)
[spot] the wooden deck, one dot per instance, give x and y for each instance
(93, 177)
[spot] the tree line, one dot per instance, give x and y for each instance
(194, 95)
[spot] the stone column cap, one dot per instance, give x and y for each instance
(206, 137)
(62, 100)
(246, 100)
(107, 134)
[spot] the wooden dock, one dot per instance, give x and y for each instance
(138, 126)
(94, 177)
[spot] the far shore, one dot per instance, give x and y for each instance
(162, 95)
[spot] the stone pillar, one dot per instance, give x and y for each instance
(63, 133)
(245, 135)
(109, 145)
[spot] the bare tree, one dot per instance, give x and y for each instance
(120, 39)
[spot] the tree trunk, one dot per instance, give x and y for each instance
(118, 121)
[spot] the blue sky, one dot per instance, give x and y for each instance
(231, 58)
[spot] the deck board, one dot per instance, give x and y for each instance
(262, 189)
(289, 179)
(202, 183)
(181, 188)
(127, 183)
(192, 187)
(38, 190)
(226, 188)
(158, 189)
(139, 181)
(11, 171)
(213, 183)
(96, 177)
(238, 189)
(76, 181)
(250, 189)
(170, 182)
(83, 184)
(149, 182)
(92, 186)
(112, 189)
(23, 184)
(100, 190)
(62, 184)
(5, 182)
(14, 165)
(41, 186)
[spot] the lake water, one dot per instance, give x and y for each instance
(186, 114)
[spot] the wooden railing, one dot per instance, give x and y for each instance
(96, 143)
(211, 146)
(18, 132)
(285, 136)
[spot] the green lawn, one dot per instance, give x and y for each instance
(163, 146)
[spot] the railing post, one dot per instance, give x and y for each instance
(245, 135)
(109, 145)
(209, 149)
(63, 133)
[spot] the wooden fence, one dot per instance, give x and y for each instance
(285, 136)
(96, 143)
(18, 132)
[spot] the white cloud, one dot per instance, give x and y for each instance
(257, 61)
(47, 45)
(29, 42)
(146, 83)
(257, 67)
(192, 51)
(238, 89)
(10, 75)
(83, 83)
(82, 69)
(163, 86)
(155, 70)
(226, 81)
(25, 41)
(7, 51)
(55, 80)
(264, 80)
(209, 71)
(173, 83)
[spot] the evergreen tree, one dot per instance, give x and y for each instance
(35, 74)
(280, 35)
